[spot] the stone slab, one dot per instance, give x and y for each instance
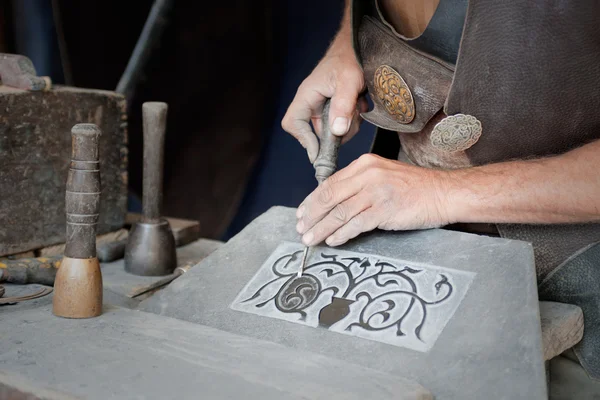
(372, 297)
(122, 283)
(562, 327)
(491, 347)
(118, 284)
(125, 354)
(16, 387)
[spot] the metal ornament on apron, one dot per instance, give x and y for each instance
(394, 94)
(456, 133)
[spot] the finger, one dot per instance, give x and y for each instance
(354, 128)
(336, 218)
(306, 103)
(364, 222)
(356, 168)
(363, 104)
(317, 123)
(328, 195)
(343, 106)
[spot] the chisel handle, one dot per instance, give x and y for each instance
(155, 125)
(326, 162)
(83, 192)
(23, 271)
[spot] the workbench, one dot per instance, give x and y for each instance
(207, 352)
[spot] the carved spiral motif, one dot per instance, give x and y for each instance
(298, 293)
(393, 92)
(456, 133)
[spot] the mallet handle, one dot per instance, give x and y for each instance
(83, 192)
(155, 125)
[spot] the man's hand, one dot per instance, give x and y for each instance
(370, 193)
(338, 77)
(373, 192)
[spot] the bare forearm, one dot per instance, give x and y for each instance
(343, 39)
(561, 189)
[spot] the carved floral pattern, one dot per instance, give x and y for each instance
(386, 309)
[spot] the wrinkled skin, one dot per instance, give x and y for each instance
(370, 193)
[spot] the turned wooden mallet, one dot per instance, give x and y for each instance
(151, 247)
(78, 282)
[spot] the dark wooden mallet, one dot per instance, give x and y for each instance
(151, 247)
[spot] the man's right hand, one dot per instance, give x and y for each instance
(338, 76)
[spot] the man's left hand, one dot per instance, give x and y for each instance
(373, 192)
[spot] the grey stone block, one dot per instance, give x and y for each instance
(562, 327)
(490, 348)
(119, 284)
(125, 354)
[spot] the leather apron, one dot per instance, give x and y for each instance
(522, 83)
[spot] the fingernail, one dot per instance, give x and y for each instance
(300, 212)
(300, 227)
(340, 126)
(307, 239)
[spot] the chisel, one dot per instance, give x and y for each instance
(326, 162)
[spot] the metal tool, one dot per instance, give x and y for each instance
(326, 162)
(78, 282)
(162, 282)
(151, 246)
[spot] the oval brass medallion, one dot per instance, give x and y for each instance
(456, 133)
(393, 92)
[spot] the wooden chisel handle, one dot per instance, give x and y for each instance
(41, 270)
(326, 162)
(82, 200)
(155, 125)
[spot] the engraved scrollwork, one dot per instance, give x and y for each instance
(390, 293)
(456, 133)
(298, 293)
(391, 308)
(393, 93)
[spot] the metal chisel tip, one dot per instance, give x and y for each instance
(301, 270)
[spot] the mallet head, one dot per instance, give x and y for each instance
(151, 249)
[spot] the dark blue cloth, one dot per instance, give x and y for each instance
(284, 176)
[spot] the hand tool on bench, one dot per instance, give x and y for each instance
(326, 162)
(78, 283)
(162, 282)
(151, 246)
(184, 232)
(23, 271)
(18, 71)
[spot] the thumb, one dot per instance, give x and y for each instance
(343, 108)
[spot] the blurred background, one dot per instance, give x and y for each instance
(228, 71)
